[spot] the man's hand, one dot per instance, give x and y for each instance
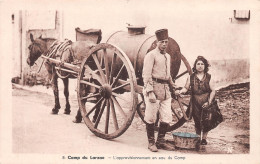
(177, 92)
(152, 97)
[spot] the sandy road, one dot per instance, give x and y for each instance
(35, 130)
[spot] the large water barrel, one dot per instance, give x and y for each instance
(135, 44)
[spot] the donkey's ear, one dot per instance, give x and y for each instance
(40, 37)
(31, 37)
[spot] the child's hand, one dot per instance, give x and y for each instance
(206, 104)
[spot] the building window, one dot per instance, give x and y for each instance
(242, 14)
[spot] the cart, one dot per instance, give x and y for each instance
(110, 85)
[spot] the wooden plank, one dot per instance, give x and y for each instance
(66, 70)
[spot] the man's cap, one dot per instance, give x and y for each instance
(161, 34)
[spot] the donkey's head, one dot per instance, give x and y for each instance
(36, 49)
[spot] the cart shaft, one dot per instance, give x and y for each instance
(66, 65)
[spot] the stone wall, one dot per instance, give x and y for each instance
(30, 74)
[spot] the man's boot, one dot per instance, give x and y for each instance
(150, 135)
(161, 142)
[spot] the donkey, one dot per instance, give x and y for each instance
(76, 51)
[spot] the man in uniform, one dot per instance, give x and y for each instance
(157, 82)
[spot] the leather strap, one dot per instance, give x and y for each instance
(160, 81)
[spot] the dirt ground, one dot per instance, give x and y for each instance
(36, 131)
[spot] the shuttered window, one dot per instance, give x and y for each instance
(242, 14)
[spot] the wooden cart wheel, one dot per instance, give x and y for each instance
(108, 74)
(179, 105)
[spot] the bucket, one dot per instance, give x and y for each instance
(186, 140)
